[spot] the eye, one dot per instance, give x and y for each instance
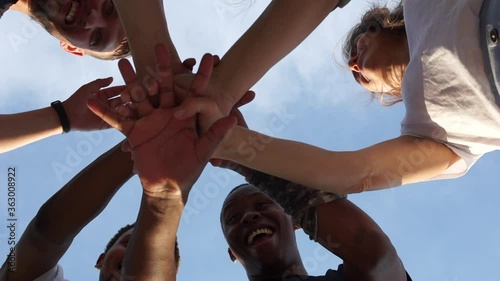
(264, 204)
(232, 219)
(373, 28)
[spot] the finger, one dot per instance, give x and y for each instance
(166, 83)
(216, 162)
(113, 102)
(202, 77)
(97, 84)
(135, 89)
(189, 63)
(105, 113)
(206, 144)
(192, 106)
(247, 98)
(152, 87)
(216, 60)
(241, 120)
(125, 111)
(125, 146)
(111, 92)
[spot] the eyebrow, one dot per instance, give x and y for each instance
(231, 203)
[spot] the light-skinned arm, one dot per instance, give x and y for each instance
(54, 227)
(146, 26)
(383, 165)
(281, 28)
(20, 129)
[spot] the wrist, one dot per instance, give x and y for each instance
(52, 121)
(224, 100)
(161, 204)
(165, 192)
(62, 116)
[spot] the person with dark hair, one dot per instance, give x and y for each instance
(449, 91)
(110, 262)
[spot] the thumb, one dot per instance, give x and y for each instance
(97, 84)
(207, 143)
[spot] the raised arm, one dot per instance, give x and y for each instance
(168, 156)
(366, 251)
(281, 27)
(53, 229)
(20, 129)
(146, 26)
(391, 163)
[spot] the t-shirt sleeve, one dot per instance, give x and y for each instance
(459, 168)
(55, 274)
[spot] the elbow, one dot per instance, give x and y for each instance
(382, 262)
(44, 228)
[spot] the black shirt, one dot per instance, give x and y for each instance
(331, 275)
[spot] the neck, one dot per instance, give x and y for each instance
(21, 6)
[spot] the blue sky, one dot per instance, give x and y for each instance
(443, 231)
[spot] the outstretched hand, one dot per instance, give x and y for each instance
(210, 104)
(80, 117)
(168, 154)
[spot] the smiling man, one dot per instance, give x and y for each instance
(261, 237)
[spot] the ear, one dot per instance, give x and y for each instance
(231, 255)
(100, 260)
(71, 49)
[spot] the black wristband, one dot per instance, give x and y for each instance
(63, 118)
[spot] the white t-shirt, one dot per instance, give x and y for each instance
(445, 89)
(55, 274)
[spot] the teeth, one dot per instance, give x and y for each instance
(70, 17)
(257, 232)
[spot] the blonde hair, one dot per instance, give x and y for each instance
(378, 17)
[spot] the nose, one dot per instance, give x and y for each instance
(250, 216)
(94, 20)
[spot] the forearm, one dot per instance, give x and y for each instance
(145, 26)
(395, 162)
(24, 128)
(280, 28)
(150, 253)
(348, 232)
(88, 193)
(304, 164)
(53, 229)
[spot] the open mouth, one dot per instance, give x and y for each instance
(74, 7)
(258, 235)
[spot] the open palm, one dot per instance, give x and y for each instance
(168, 154)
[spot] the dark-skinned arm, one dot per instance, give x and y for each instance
(54, 227)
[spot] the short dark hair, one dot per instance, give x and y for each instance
(126, 228)
(118, 235)
(377, 17)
